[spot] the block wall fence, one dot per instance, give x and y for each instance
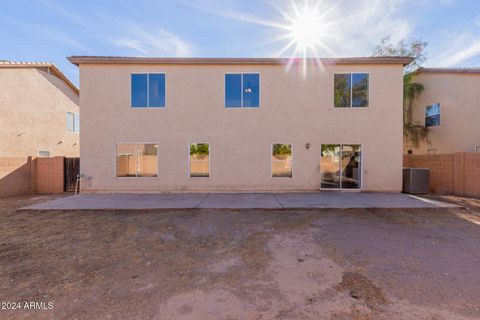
(454, 173)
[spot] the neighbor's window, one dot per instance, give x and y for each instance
(242, 90)
(432, 151)
(351, 90)
(137, 160)
(44, 153)
(73, 122)
(281, 160)
(148, 90)
(432, 115)
(199, 160)
(477, 148)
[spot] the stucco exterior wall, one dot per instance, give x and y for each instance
(459, 98)
(33, 105)
(293, 109)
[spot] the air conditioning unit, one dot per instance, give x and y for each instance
(416, 180)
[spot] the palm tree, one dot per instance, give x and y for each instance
(413, 132)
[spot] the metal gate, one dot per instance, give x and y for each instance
(72, 170)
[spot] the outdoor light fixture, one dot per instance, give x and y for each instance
(307, 145)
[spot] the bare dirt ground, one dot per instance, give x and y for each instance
(241, 264)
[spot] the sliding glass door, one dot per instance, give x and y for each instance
(340, 166)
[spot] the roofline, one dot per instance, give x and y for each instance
(52, 68)
(77, 60)
(449, 70)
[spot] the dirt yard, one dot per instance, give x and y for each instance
(240, 264)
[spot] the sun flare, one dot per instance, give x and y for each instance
(306, 30)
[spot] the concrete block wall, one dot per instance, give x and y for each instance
(454, 173)
(24, 175)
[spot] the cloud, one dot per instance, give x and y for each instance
(457, 49)
(160, 43)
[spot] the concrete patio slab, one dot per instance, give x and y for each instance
(238, 201)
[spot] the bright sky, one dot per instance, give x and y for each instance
(50, 30)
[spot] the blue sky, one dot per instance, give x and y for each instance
(50, 30)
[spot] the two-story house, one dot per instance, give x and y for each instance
(39, 111)
(240, 124)
(450, 107)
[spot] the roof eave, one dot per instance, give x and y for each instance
(77, 60)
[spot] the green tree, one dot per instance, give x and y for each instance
(414, 132)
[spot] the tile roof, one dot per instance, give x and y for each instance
(52, 68)
(449, 70)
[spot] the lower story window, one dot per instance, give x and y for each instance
(199, 160)
(44, 153)
(432, 151)
(340, 166)
(137, 160)
(477, 148)
(281, 160)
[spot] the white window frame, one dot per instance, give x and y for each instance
(340, 167)
(241, 90)
(439, 114)
(351, 90)
(209, 161)
(148, 90)
(271, 161)
(40, 156)
(437, 150)
(75, 129)
(136, 150)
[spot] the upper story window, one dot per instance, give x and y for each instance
(351, 90)
(148, 90)
(242, 90)
(432, 115)
(73, 122)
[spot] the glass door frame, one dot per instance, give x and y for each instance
(340, 168)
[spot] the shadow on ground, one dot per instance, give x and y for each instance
(241, 264)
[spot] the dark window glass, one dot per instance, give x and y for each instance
(251, 96)
(342, 90)
(432, 115)
(139, 90)
(351, 165)
(359, 90)
(156, 90)
(233, 90)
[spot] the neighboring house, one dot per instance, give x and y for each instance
(196, 124)
(39, 111)
(450, 107)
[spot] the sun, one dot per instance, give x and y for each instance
(306, 30)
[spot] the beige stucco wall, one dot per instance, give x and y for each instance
(459, 98)
(292, 109)
(33, 108)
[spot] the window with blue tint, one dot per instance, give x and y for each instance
(251, 96)
(233, 90)
(242, 90)
(432, 115)
(139, 90)
(350, 90)
(359, 90)
(148, 90)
